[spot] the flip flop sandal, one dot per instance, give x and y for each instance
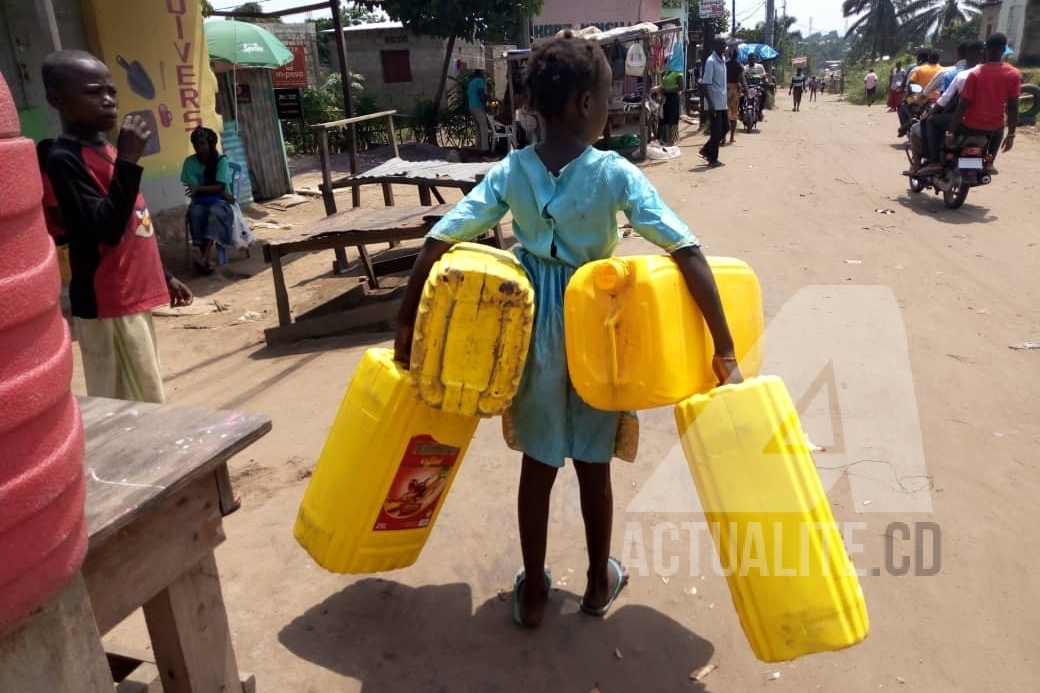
(622, 580)
(518, 582)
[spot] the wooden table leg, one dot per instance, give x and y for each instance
(190, 635)
(340, 265)
(388, 200)
(57, 649)
(437, 194)
(424, 196)
(281, 294)
(498, 236)
(370, 270)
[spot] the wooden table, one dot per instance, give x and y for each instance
(356, 227)
(157, 490)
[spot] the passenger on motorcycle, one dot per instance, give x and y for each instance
(941, 115)
(942, 81)
(988, 99)
(908, 107)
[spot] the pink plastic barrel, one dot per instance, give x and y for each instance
(43, 535)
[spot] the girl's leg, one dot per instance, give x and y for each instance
(597, 510)
(536, 482)
(198, 222)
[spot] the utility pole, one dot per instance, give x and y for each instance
(810, 26)
(770, 19)
(344, 66)
(733, 16)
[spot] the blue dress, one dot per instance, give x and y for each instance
(562, 222)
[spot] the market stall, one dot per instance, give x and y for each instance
(633, 111)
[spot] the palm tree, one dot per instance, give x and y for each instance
(921, 16)
(877, 29)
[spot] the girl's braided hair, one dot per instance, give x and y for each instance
(561, 67)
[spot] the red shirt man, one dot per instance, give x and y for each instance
(988, 89)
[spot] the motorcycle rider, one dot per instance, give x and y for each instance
(939, 118)
(755, 75)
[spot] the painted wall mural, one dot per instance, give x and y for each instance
(157, 52)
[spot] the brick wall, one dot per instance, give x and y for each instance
(426, 57)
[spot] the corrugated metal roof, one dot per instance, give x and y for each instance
(374, 26)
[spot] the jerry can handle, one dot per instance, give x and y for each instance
(612, 344)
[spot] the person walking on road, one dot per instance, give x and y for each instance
(870, 85)
(797, 88)
(736, 85)
(713, 88)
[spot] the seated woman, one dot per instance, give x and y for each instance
(207, 179)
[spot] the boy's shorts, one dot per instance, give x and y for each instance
(121, 357)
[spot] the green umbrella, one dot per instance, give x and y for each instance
(244, 45)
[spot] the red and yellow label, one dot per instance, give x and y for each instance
(418, 487)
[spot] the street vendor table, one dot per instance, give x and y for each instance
(157, 490)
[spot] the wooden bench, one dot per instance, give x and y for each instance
(358, 228)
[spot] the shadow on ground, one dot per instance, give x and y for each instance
(927, 203)
(394, 638)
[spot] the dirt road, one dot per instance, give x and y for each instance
(798, 200)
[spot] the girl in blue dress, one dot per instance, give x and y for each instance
(564, 196)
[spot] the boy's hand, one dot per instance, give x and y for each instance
(403, 346)
(133, 138)
(191, 190)
(726, 370)
(180, 295)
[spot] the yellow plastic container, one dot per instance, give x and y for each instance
(386, 468)
(472, 331)
(792, 582)
(637, 340)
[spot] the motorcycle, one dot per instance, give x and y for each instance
(749, 108)
(963, 160)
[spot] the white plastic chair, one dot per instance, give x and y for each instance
(499, 131)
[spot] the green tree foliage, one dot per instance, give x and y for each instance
(887, 27)
(924, 19)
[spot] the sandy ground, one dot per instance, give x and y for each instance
(796, 200)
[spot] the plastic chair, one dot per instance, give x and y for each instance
(499, 131)
(222, 258)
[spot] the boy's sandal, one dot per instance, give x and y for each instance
(622, 580)
(518, 582)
